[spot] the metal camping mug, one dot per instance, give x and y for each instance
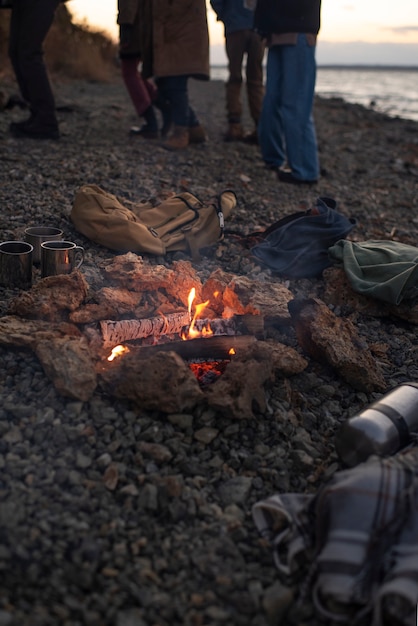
(60, 257)
(35, 235)
(16, 264)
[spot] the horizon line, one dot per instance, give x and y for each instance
(374, 66)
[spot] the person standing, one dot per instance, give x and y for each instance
(143, 93)
(140, 91)
(287, 134)
(175, 47)
(29, 24)
(241, 40)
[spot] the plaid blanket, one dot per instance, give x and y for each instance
(353, 546)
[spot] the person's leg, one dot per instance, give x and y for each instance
(174, 90)
(298, 89)
(270, 127)
(254, 74)
(14, 48)
(235, 48)
(30, 25)
(141, 97)
(235, 44)
(134, 84)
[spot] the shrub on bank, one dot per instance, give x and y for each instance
(71, 50)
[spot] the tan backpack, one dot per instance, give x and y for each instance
(181, 222)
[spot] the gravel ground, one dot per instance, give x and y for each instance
(174, 542)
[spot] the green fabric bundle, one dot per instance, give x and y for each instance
(386, 270)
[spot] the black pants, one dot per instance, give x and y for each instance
(29, 25)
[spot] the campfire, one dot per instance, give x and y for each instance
(166, 341)
(206, 370)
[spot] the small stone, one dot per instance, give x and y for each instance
(111, 477)
(206, 435)
(236, 490)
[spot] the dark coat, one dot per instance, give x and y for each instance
(287, 16)
(128, 13)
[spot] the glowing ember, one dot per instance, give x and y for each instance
(231, 351)
(117, 351)
(207, 372)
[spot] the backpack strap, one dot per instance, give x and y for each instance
(217, 205)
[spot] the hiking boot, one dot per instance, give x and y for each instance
(234, 133)
(178, 140)
(197, 134)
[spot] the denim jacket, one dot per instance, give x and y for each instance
(233, 15)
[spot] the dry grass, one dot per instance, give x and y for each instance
(71, 51)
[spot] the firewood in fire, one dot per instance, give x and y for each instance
(209, 348)
(116, 332)
(120, 331)
(236, 325)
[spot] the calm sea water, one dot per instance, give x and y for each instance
(393, 91)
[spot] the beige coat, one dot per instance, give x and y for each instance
(178, 42)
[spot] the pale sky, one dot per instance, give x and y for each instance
(342, 20)
(372, 21)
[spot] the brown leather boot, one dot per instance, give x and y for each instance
(197, 134)
(235, 132)
(178, 140)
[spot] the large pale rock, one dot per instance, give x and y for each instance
(335, 341)
(18, 332)
(132, 272)
(52, 298)
(68, 364)
(111, 302)
(241, 390)
(162, 382)
(238, 295)
(185, 277)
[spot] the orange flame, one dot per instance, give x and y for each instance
(117, 351)
(193, 332)
(190, 299)
(231, 351)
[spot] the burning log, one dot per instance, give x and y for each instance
(115, 332)
(209, 348)
(120, 331)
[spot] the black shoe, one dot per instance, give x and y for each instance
(30, 130)
(251, 137)
(286, 176)
(16, 101)
(16, 126)
(144, 131)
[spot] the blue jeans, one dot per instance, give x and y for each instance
(286, 127)
(174, 89)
